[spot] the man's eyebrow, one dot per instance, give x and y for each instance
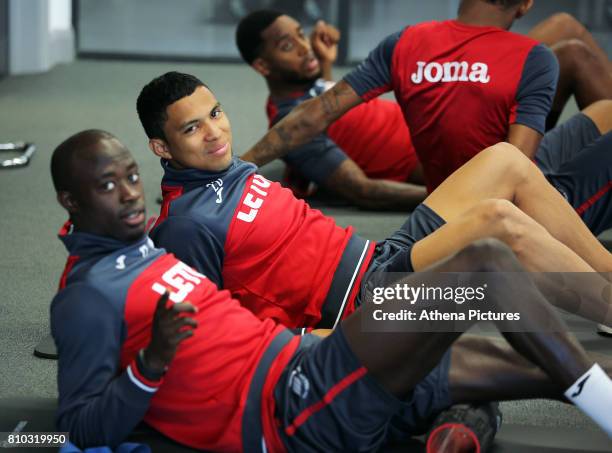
(110, 173)
(107, 174)
(188, 123)
(282, 38)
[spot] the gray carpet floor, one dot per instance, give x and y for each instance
(49, 107)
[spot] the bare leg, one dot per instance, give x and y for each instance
(582, 75)
(503, 172)
(562, 27)
(585, 70)
(488, 369)
(401, 360)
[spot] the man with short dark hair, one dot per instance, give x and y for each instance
(365, 157)
(142, 336)
(224, 219)
(464, 85)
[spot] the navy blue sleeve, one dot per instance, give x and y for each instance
(373, 76)
(537, 88)
(97, 405)
(192, 243)
(316, 160)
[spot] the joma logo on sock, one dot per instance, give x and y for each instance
(580, 387)
(451, 71)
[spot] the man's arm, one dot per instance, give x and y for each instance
(372, 78)
(192, 243)
(97, 406)
(353, 184)
(525, 139)
(303, 124)
(324, 40)
(534, 99)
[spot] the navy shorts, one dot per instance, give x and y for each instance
(577, 161)
(564, 142)
(326, 401)
(422, 222)
(393, 254)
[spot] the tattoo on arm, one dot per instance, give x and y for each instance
(332, 100)
(303, 124)
(284, 135)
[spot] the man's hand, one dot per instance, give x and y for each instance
(324, 41)
(171, 325)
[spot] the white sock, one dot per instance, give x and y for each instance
(592, 393)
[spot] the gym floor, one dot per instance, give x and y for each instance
(47, 108)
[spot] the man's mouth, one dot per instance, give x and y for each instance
(134, 217)
(218, 151)
(311, 64)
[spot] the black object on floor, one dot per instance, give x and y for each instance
(38, 414)
(45, 349)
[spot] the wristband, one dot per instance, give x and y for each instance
(147, 372)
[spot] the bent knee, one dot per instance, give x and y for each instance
(567, 24)
(573, 52)
(488, 247)
(488, 254)
(505, 153)
(514, 163)
(493, 211)
(502, 220)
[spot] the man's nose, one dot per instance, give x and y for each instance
(212, 132)
(130, 191)
(304, 45)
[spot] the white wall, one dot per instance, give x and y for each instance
(40, 35)
(60, 15)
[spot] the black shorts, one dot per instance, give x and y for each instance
(577, 160)
(393, 253)
(326, 401)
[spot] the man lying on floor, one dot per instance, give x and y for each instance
(458, 98)
(143, 336)
(223, 219)
(366, 156)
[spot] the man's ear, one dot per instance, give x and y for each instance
(67, 201)
(160, 148)
(524, 8)
(260, 65)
